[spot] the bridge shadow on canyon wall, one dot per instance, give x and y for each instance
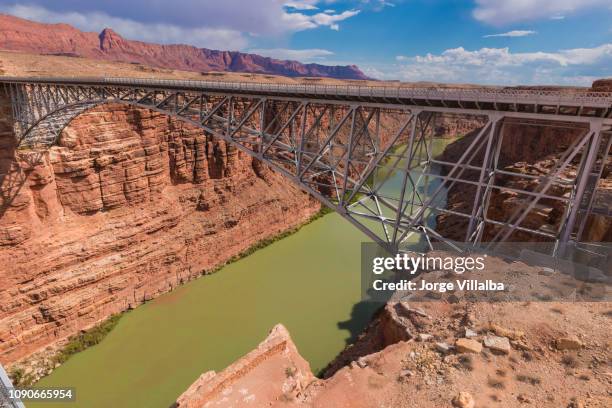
(362, 340)
(15, 166)
(12, 178)
(362, 313)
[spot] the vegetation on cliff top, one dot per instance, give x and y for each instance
(268, 241)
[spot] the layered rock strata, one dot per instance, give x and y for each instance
(62, 39)
(531, 150)
(274, 370)
(130, 204)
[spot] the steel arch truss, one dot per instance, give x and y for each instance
(374, 164)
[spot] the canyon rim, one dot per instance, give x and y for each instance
(158, 177)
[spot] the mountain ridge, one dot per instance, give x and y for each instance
(17, 34)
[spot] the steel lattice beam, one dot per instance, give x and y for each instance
(330, 143)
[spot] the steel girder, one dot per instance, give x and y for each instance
(536, 101)
(347, 154)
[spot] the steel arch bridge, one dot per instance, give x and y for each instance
(346, 144)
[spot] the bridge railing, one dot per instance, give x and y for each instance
(506, 95)
(481, 94)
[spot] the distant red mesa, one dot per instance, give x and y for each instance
(17, 34)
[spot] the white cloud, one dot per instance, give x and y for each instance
(383, 3)
(377, 73)
(500, 12)
(305, 55)
(227, 25)
(297, 21)
(557, 17)
(501, 66)
(331, 20)
(302, 21)
(301, 5)
(513, 33)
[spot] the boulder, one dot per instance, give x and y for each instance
(468, 346)
(464, 400)
(569, 343)
(497, 344)
(443, 347)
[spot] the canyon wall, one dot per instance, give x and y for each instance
(17, 34)
(448, 125)
(130, 204)
(526, 149)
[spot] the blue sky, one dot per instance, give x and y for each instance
(567, 42)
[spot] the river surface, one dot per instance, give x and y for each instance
(309, 281)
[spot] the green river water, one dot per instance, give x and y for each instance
(309, 281)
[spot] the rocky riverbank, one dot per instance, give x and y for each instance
(448, 352)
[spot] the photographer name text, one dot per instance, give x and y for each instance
(423, 285)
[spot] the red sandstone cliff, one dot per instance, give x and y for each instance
(129, 205)
(22, 35)
(274, 367)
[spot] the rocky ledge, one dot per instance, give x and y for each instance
(275, 365)
(445, 352)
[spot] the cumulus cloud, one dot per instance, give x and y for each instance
(331, 20)
(513, 33)
(501, 66)
(227, 24)
(301, 5)
(305, 55)
(300, 21)
(500, 12)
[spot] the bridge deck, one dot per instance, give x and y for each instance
(571, 104)
(281, 125)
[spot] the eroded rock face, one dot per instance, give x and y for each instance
(602, 85)
(526, 149)
(62, 39)
(449, 125)
(274, 370)
(407, 373)
(129, 205)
